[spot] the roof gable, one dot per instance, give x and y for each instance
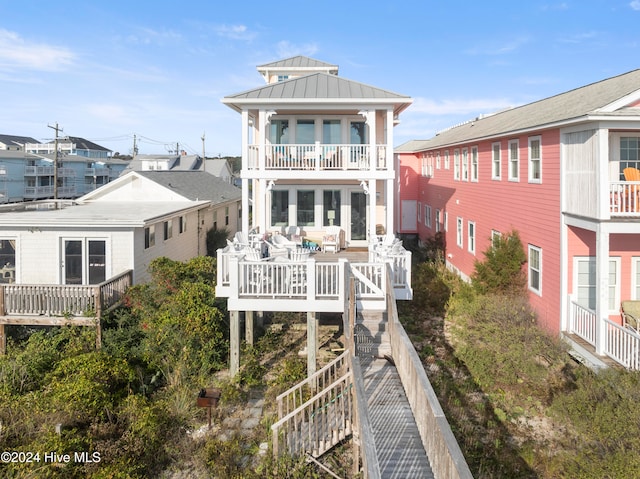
(296, 62)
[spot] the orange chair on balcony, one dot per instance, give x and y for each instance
(633, 192)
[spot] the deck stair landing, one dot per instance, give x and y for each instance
(397, 439)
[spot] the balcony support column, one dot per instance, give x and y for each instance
(248, 327)
(602, 286)
(312, 343)
(234, 343)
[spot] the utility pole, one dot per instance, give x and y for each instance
(135, 147)
(203, 157)
(55, 162)
(178, 149)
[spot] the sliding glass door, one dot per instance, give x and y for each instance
(84, 261)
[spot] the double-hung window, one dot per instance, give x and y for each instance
(446, 160)
(535, 269)
(459, 226)
(465, 164)
(514, 160)
(456, 164)
(535, 160)
(496, 166)
(585, 281)
(438, 220)
(471, 237)
(427, 216)
(474, 163)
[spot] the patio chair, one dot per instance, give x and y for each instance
(292, 233)
(633, 190)
(630, 312)
(331, 241)
(280, 246)
(241, 239)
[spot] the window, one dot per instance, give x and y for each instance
(279, 208)
(215, 219)
(85, 261)
(471, 237)
(331, 132)
(438, 220)
(226, 216)
(474, 163)
(456, 164)
(306, 208)
(459, 232)
(168, 229)
(419, 212)
(305, 132)
(437, 160)
(149, 236)
(427, 216)
(446, 159)
(331, 208)
(629, 153)
(279, 132)
(496, 166)
(535, 269)
(7, 260)
(495, 237)
(182, 224)
(283, 77)
(514, 160)
(465, 164)
(585, 280)
(535, 160)
(446, 221)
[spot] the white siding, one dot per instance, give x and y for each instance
(580, 152)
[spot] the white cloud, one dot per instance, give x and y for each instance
(235, 32)
(148, 36)
(286, 49)
(17, 53)
(635, 5)
(427, 106)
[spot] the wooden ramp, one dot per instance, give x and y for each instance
(397, 439)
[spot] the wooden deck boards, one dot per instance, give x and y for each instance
(397, 440)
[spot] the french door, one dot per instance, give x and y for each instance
(84, 261)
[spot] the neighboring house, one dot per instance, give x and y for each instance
(553, 170)
(15, 143)
(172, 162)
(70, 145)
(317, 150)
(219, 167)
(121, 226)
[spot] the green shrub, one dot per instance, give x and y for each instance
(216, 239)
(501, 270)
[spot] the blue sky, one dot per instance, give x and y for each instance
(109, 70)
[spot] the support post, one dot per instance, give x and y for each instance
(234, 343)
(312, 340)
(248, 327)
(3, 340)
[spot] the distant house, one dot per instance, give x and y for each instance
(164, 163)
(560, 171)
(121, 226)
(70, 145)
(219, 167)
(14, 143)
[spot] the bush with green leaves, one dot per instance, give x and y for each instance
(216, 239)
(501, 271)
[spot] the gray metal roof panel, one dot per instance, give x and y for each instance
(195, 185)
(298, 61)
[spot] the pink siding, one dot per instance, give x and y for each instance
(531, 209)
(409, 174)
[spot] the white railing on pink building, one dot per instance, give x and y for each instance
(621, 344)
(624, 198)
(320, 157)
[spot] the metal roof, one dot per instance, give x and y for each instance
(596, 99)
(296, 63)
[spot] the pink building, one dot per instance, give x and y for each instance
(563, 172)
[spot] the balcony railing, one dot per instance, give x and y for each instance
(48, 171)
(624, 198)
(621, 344)
(65, 301)
(319, 157)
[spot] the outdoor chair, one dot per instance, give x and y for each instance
(331, 241)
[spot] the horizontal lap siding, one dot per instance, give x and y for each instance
(531, 209)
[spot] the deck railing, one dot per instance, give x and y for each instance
(318, 424)
(624, 198)
(445, 455)
(63, 300)
(621, 344)
(317, 156)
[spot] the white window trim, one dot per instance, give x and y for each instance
(617, 294)
(537, 291)
(465, 164)
(475, 164)
(447, 164)
(419, 212)
(635, 269)
(437, 160)
(456, 164)
(438, 220)
(530, 160)
(427, 216)
(511, 161)
(459, 232)
(471, 237)
(499, 175)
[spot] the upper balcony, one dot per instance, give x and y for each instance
(624, 199)
(323, 159)
(48, 171)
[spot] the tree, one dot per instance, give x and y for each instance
(501, 270)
